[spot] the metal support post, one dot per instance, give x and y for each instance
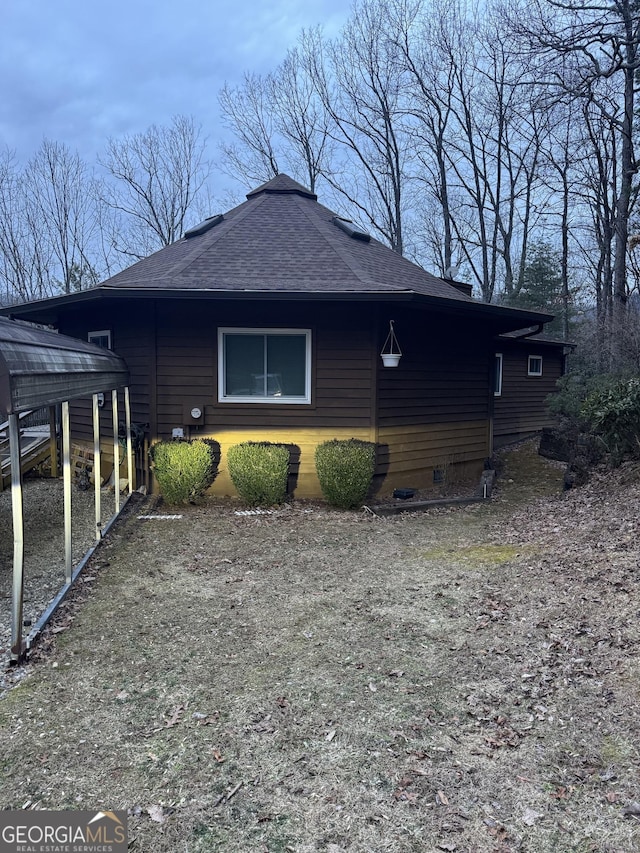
(17, 645)
(116, 450)
(96, 466)
(66, 484)
(53, 440)
(127, 415)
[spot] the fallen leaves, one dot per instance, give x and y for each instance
(563, 792)
(304, 716)
(402, 793)
(174, 717)
(157, 813)
(530, 816)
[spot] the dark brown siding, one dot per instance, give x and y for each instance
(188, 365)
(441, 378)
(171, 350)
(432, 411)
(521, 409)
(434, 407)
(132, 336)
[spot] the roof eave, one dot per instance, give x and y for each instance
(504, 318)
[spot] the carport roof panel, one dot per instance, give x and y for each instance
(42, 368)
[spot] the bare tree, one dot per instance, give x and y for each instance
(360, 84)
(278, 124)
(493, 150)
(490, 138)
(61, 192)
(248, 113)
(604, 39)
(302, 121)
(155, 178)
(414, 31)
(562, 160)
(476, 134)
(25, 255)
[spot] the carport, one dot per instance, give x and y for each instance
(40, 368)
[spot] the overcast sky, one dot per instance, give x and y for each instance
(79, 71)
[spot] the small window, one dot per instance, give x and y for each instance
(497, 376)
(535, 365)
(264, 366)
(101, 338)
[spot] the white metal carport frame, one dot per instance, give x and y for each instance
(41, 368)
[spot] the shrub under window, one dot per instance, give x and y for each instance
(259, 471)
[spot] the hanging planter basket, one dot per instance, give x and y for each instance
(391, 352)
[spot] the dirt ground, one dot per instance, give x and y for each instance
(44, 569)
(311, 680)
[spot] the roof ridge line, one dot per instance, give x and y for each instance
(213, 236)
(337, 245)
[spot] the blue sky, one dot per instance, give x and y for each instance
(77, 71)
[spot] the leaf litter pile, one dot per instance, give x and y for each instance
(463, 679)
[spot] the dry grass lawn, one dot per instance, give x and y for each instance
(457, 680)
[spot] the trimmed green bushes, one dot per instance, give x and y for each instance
(259, 471)
(184, 469)
(345, 469)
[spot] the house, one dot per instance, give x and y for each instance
(267, 323)
(527, 370)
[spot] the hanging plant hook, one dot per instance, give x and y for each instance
(391, 351)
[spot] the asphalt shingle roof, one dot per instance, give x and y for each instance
(281, 240)
(281, 244)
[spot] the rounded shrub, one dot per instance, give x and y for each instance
(184, 469)
(345, 470)
(259, 471)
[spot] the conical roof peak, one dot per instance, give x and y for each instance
(283, 184)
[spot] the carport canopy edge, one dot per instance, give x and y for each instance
(40, 368)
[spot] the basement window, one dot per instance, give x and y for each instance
(264, 365)
(101, 338)
(535, 365)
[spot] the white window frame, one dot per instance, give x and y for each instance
(101, 333)
(497, 375)
(230, 330)
(530, 370)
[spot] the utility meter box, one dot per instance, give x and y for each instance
(193, 413)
